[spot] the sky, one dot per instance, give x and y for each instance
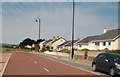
(18, 19)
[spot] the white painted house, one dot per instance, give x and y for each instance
(57, 42)
(41, 45)
(68, 45)
(54, 43)
(109, 39)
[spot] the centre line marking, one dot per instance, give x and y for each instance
(46, 69)
(35, 62)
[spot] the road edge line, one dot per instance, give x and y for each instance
(5, 65)
(73, 66)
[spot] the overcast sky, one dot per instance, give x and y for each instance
(18, 19)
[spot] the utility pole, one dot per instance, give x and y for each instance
(39, 22)
(73, 23)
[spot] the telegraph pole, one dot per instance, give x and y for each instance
(39, 22)
(73, 23)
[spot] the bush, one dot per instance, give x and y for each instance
(85, 49)
(45, 48)
(115, 51)
(85, 53)
(66, 51)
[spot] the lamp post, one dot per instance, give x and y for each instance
(39, 21)
(72, 53)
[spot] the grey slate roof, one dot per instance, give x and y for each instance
(88, 39)
(65, 43)
(57, 39)
(70, 43)
(111, 34)
(47, 41)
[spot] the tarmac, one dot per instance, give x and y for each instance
(59, 57)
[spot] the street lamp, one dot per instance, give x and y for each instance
(72, 53)
(39, 21)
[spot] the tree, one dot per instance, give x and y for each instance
(39, 40)
(25, 42)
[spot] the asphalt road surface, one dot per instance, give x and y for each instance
(22, 63)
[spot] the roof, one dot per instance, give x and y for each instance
(88, 39)
(111, 34)
(70, 42)
(57, 39)
(52, 40)
(47, 41)
(65, 43)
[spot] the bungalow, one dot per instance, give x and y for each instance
(109, 39)
(41, 45)
(57, 42)
(67, 45)
(63, 45)
(47, 42)
(54, 43)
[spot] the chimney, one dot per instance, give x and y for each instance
(78, 39)
(57, 37)
(105, 30)
(54, 37)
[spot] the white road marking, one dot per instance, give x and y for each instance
(35, 62)
(1, 73)
(73, 66)
(46, 69)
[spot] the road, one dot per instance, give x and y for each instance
(23, 63)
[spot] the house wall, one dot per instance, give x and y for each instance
(58, 42)
(116, 44)
(91, 46)
(41, 45)
(119, 43)
(101, 47)
(82, 47)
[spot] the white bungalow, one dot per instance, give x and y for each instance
(109, 39)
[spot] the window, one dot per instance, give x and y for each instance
(97, 43)
(109, 43)
(103, 56)
(104, 43)
(80, 45)
(61, 40)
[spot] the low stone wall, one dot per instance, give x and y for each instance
(91, 55)
(82, 57)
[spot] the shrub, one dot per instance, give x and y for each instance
(45, 48)
(85, 49)
(106, 50)
(66, 51)
(115, 51)
(85, 52)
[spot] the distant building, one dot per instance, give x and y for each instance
(68, 45)
(57, 42)
(109, 39)
(63, 45)
(54, 43)
(28, 46)
(41, 45)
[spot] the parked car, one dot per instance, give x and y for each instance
(107, 62)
